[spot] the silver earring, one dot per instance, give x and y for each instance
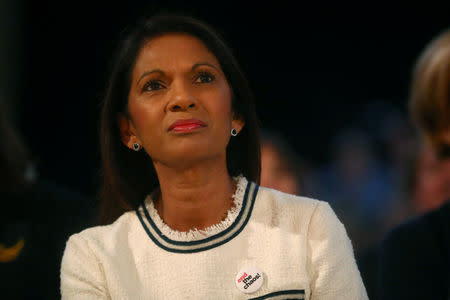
(136, 147)
(234, 132)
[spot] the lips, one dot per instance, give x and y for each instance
(186, 125)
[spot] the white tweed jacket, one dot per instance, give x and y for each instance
(297, 245)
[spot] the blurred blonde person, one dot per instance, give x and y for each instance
(415, 256)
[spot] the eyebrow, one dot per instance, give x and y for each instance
(204, 64)
(195, 66)
(148, 73)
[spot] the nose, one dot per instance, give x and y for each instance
(181, 99)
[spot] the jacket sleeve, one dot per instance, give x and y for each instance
(82, 276)
(332, 266)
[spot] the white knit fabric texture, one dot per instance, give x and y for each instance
(298, 243)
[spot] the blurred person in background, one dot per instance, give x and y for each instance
(281, 168)
(393, 134)
(414, 260)
(36, 218)
(432, 182)
(424, 185)
(357, 185)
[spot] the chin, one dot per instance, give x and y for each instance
(189, 156)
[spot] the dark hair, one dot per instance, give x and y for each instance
(129, 176)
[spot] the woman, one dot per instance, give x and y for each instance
(181, 161)
(415, 256)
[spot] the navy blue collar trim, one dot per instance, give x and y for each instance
(204, 244)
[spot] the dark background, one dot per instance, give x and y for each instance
(312, 68)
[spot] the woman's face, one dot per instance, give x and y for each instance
(432, 187)
(179, 102)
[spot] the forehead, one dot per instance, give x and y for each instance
(174, 50)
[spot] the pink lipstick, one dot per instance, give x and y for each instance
(186, 125)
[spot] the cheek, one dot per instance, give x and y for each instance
(222, 108)
(144, 119)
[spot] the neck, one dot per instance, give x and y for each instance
(195, 197)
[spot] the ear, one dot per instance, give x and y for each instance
(237, 123)
(127, 131)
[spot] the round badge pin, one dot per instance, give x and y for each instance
(249, 280)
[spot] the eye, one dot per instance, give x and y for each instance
(152, 85)
(204, 77)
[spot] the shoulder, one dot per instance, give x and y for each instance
(328, 250)
(425, 229)
(415, 253)
(295, 211)
(401, 234)
(288, 201)
(106, 237)
(87, 252)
